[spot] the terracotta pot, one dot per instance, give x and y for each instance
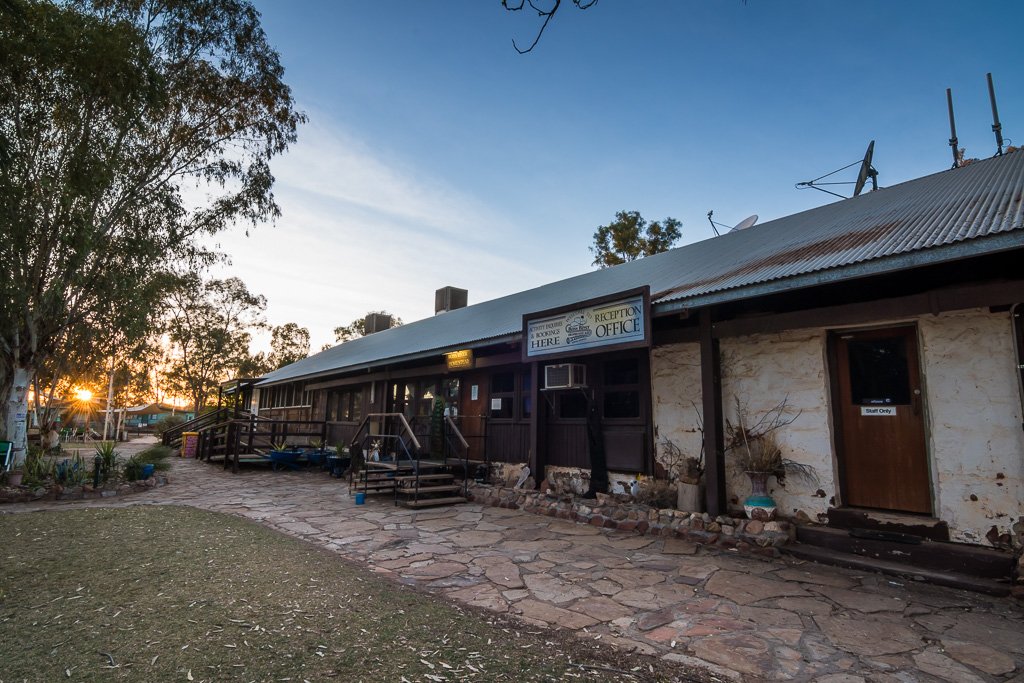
(14, 478)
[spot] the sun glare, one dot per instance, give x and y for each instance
(83, 395)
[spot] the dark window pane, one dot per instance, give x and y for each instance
(527, 407)
(503, 382)
(622, 404)
(622, 371)
(502, 411)
(527, 384)
(572, 404)
(879, 374)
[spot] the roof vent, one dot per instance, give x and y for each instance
(376, 322)
(449, 299)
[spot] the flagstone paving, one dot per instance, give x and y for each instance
(744, 617)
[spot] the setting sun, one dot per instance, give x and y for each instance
(83, 395)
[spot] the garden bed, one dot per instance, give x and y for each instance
(620, 512)
(25, 494)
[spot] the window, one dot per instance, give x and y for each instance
(572, 404)
(503, 395)
(879, 373)
(622, 388)
(345, 405)
(527, 395)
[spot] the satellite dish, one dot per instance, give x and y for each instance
(866, 171)
(745, 223)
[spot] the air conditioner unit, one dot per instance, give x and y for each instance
(565, 376)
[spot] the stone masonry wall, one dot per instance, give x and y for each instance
(760, 370)
(974, 425)
(617, 512)
(973, 405)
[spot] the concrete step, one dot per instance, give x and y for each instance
(913, 551)
(432, 502)
(937, 577)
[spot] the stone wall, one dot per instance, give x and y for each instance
(972, 398)
(974, 424)
(761, 371)
(617, 512)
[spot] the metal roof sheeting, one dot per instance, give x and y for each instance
(870, 233)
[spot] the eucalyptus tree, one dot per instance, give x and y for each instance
(630, 237)
(209, 327)
(127, 129)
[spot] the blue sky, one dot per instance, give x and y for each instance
(437, 155)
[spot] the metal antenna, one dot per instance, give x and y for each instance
(713, 225)
(952, 129)
(997, 127)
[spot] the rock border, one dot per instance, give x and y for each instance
(22, 494)
(615, 512)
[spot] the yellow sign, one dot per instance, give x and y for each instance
(459, 360)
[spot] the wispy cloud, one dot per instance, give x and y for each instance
(363, 232)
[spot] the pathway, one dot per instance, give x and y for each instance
(744, 617)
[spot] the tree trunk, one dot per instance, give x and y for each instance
(16, 422)
(109, 417)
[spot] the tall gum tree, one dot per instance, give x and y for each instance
(127, 129)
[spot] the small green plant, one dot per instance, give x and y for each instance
(280, 445)
(133, 469)
(317, 444)
(156, 456)
(38, 469)
(71, 471)
(108, 456)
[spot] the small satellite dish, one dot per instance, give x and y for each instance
(866, 171)
(745, 223)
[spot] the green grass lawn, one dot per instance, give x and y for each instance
(177, 594)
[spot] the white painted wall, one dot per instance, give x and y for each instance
(974, 421)
(972, 398)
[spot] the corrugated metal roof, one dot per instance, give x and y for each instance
(955, 207)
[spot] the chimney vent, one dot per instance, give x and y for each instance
(449, 299)
(376, 322)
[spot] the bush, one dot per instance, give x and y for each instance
(167, 423)
(156, 456)
(133, 469)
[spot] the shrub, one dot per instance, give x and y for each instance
(167, 423)
(156, 456)
(133, 469)
(108, 455)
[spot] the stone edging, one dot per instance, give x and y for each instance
(612, 513)
(21, 494)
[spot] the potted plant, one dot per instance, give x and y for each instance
(14, 477)
(687, 473)
(760, 455)
(282, 455)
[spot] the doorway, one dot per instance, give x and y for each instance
(880, 420)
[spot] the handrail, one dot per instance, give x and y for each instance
(451, 423)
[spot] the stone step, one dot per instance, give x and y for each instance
(941, 578)
(912, 551)
(431, 502)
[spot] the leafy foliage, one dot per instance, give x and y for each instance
(209, 329)
(357, 328)
(288, 343)
(127, 129)
(630, 237)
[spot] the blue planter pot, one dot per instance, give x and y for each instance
(282, 459)
(148, 470)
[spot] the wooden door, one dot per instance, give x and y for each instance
(472, 412)
(881, 420)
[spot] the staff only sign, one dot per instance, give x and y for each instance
(599, 325)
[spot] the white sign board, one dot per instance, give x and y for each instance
(495, 404)
(609, 324)
(889, 411)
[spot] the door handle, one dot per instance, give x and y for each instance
(915, 402)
